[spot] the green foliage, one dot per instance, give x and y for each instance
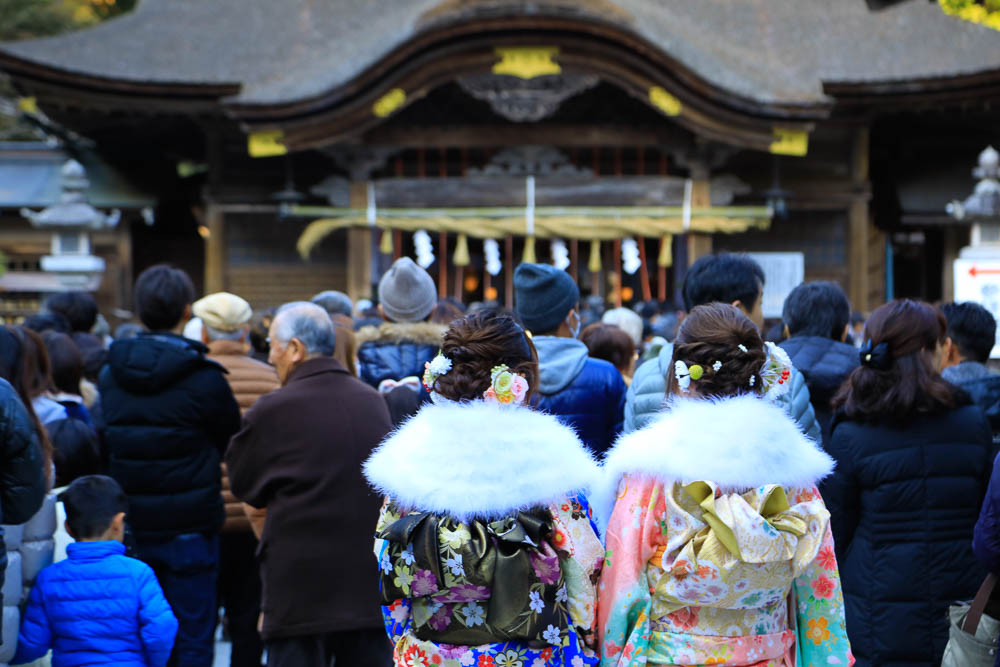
(27, 19)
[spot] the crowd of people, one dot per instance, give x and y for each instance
(557, 484)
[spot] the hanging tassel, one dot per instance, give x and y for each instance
(666, 258)
(461, 256)
(529, 250)
(385, 243)
(594, 265)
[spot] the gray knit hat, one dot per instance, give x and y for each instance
(407, 292)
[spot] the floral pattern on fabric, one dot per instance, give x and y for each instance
(447, 614)
(696, 576)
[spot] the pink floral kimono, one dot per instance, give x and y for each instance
(719, 548)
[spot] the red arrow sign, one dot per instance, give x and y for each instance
(984, 272)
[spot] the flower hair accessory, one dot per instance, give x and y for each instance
(776, 372)
(506, 386)
(685, 374)
(435, 368)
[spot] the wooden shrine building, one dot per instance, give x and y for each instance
(297, 146)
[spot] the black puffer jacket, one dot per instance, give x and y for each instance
(393, 351)
(825, 364)
(903, 503)
(22, 477)
(170, 414)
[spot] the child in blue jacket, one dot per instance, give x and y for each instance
(97, 607)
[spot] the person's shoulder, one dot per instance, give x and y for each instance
(602, 372)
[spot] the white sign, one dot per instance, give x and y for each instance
(979, 280)
(783, 272)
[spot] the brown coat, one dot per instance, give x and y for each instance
(249, 379)
(300, 455)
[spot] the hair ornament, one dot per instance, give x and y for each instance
(753, 380)
(776, 372)
(716, 366)
(877, 357)
(743, 348)
(506, 386)
(435, 368)
(686, 374)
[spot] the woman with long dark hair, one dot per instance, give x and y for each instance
(486, 547)
(913, 462)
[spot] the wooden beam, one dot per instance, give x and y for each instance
(491, 136)
(858, 226)
(359, 249)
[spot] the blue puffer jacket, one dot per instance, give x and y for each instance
(98, 607)
(394, 351)
(825, 364)
(649, 387)
(583, 393)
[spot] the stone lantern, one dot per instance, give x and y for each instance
(983, 205)
(71, 221)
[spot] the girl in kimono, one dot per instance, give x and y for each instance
(487, 551)
(719, 548)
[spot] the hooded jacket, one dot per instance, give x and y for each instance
(824, 364)
(982, 386)
(476, 470)
(713, 525)
(170, 414)
(393, 351)
(904, 501)
(646, 396)
(584, 393)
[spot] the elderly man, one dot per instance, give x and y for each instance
(299, 455)
(226, 324)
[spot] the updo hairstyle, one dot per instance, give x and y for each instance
(478, 342)
(712, 333)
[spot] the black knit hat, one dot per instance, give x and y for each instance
(543, 295)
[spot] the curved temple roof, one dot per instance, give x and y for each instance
(771, 52)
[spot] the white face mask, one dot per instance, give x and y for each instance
(574, 329)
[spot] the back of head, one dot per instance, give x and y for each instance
(476, 344)
(406, 292)
(543, 297)
(334, 303)
(260, 324)
(723, 278)
(608, 342)
(627, 320)
(16, 368)
(75, 450)
(91, 503)
(38, 369)
(66, 361)
(728, 348)
(223, 315)
(79, 308)
(898, 378)
(446, 311)
(161, 295)
(308, 323)
(817, 309)
(972, 329)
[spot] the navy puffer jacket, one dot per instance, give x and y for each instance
(581, 392)
(825, 364)
(170, 414)
(22, 478)
(903, 501)
(393, 351)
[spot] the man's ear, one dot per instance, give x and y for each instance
(69, 530)
(299, 352)
(847, 330)
(204, 334)
(739, 304)
(785, 333)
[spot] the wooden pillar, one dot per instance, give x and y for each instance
(442, 257)
(215, 249)
(858, 225)
(699, 244)
(508, 272)
(359, 249)
(616, 249)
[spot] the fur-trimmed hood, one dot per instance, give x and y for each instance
(420, 333)
(480, 460)
(737, 443)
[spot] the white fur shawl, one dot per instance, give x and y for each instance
(737, 443)
(480, 460)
